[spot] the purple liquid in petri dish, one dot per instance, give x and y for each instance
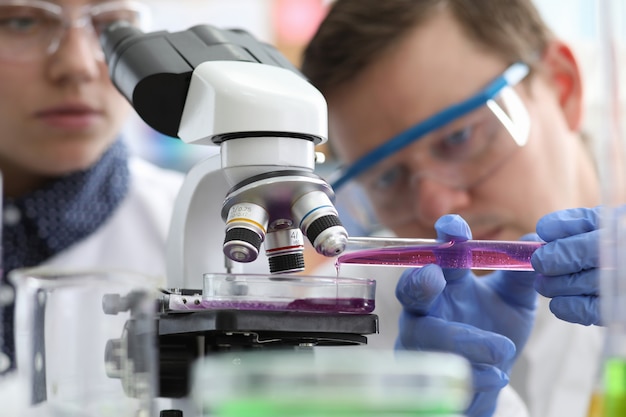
(312, 305)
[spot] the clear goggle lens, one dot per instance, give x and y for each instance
(32, 29)
(461, 154)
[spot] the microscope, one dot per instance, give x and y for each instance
(215, 87)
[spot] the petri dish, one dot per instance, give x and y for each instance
(314, 294)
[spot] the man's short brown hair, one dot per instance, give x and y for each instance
(356, 32)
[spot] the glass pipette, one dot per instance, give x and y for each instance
(468, 254)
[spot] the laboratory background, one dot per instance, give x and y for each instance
(289, 24)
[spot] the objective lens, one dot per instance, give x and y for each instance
(285, 251)
(246, 226)
(320, 223)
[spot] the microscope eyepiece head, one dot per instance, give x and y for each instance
(116, 33)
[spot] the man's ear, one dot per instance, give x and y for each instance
(563, 73)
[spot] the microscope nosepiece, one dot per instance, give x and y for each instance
(331, 241)
(285, 251)
(246, 226)
(320, 222)
(242, 244)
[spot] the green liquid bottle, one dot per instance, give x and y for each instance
(614, 404)
(344, 382)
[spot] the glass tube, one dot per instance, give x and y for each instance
(612, 390)
(469, 254)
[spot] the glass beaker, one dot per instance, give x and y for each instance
(85, 342)
(13, 393)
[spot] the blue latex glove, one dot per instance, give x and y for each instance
(569, 263)
(485, 319)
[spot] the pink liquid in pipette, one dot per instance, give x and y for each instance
(471, 254)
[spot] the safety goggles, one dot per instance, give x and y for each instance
(458, 147)
(33, 29)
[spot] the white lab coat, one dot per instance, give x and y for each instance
(555, 374)
(134, 237)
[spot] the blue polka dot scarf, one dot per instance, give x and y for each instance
(64, 212)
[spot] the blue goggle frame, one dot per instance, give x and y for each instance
(509, 78)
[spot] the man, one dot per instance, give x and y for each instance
(432, 112)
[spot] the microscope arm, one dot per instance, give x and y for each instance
(219, 87)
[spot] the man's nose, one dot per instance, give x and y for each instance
(432, 198)
(78, 56)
